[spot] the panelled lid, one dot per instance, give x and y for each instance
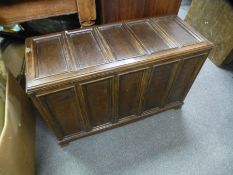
(72, 54)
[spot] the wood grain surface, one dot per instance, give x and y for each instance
(118, 10)
(90, 80)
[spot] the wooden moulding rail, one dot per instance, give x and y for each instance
(37, 9)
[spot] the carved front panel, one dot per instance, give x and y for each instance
(63, 108)
(157, 85)
(98, 101)
(129, 93)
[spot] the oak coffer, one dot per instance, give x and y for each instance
(89, 80)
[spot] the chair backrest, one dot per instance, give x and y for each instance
(16, 13)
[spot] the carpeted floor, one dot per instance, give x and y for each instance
(198, 139)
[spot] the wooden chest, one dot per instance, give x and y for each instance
(89, 80)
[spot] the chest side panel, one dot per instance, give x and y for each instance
(189, 68)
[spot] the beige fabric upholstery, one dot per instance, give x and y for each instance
(17, 140)
(13, 57)
(2, 93)
(216, 25)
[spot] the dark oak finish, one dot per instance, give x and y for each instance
(57, 104)
(149, 37)
(57, 57)
(157, 84)
(90, 80)
(121, 43)
(118, 10)
(98, 107)
(85, 48)
(129, 93)
(181, 83)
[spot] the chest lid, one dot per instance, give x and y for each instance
(73, 54)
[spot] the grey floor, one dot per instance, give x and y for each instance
(196, 140)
